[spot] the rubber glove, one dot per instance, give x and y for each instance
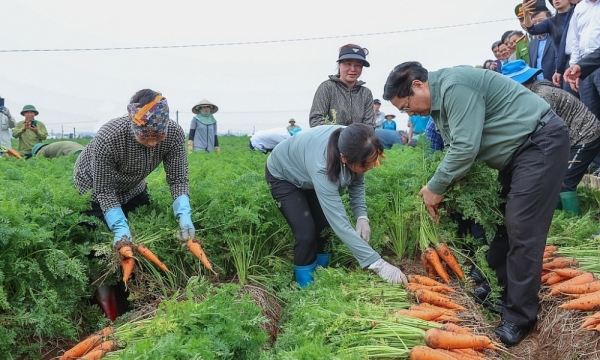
(362, 228)
(182, 210)
(117, 223)
(217, 149)
(388, 272)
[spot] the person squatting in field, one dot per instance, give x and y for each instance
(486, 116)
(306, 174)
(56, 149)
(342, 99)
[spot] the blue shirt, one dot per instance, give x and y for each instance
(540, 54)
(388, 125)
(419, 123)
(388, 138)
(437, 143)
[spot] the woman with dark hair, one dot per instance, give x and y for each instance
(306, 174)
(343, 99)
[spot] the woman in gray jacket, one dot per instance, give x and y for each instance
(343, 99)
(306, 174)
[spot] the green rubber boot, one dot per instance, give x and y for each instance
(570, 202)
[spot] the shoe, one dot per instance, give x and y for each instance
(304, 274)
(481, 294)
(510, 333)
(323, 260)
(476, 275)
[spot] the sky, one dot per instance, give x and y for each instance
(259, 61)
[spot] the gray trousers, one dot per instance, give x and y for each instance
(530, 183)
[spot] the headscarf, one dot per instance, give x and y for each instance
(205, 117)
(150, 120)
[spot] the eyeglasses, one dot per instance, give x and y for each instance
(407, 107)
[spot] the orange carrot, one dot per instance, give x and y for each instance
(425, 353)
(106, 332)
(437, 288)
(568, 272)
(547, 276)
(469, 352)
(445, 254)
(423, 314)
(457, 356)
(580, 289)
(93, 355)
(548, 255)
(126, 252)
(14, 153)
(428, 306)
(196, 249)
(551, 248)
(127, 265)
(555, 279)
(423, 280)
(440, 339)
(456, 329)
(447, 319)
(559, 263)
(428, 267)
(587, 302)
(106, 346)
(434, 260)
(591, 320)
(437, 299)
(82, 347)
(145, 252)
(578, 280)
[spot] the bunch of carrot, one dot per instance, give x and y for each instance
(128, 260)
(434, 303)
(93, 347)
(563, 278)
(452, 342)
(435, 253)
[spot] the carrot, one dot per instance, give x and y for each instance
(145, 252)
(425, 305)
(440, 339)
(428, 267)
(578, 280)
(93, 355)
(469, 352)
(14, 153)
(458, 356)
(548, 255)
(422, 314)
(591, 320)
(196, 249)
(447, 319)
(106, 332)
(425, 353)
(547, 276)
(555, 279)
(437, 288)
(445, 254)
(106, 346)
(580, 289)
(127, 265)
(456, 329)
(126, 251)
(434, 260)
(560, 262)
(551, 248)
(568, 272)
(423, 280)
(437, 299)
(587, 302)
(82, 347)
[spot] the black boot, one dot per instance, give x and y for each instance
(510, 333)
(481, 296)
(476, 275)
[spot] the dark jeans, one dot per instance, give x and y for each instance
(303, 213)
(580, 158)
(137, 201)
(531, 183)
(589, 92)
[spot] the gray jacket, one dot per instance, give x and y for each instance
(5, 124)
(583, 125)
(343, 106)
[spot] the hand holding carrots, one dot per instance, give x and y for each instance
(432, 202)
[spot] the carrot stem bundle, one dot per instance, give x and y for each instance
(146, 253)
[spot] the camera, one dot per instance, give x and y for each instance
(1, 103)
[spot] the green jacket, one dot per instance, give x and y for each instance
(481, 115)
(302, 161)
(60, 148)
(522, 49)
(28, 138)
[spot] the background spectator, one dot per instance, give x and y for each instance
(203, 129)
(29, 131)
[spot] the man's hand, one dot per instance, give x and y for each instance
(557, 79)
(572, 75)
(6, 112)
(432, 202)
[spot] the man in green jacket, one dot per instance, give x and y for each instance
(482, 115)
(29, 131)
(56, 149)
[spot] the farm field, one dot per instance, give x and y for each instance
(53, 258)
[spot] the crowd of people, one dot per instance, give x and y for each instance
(511, 116)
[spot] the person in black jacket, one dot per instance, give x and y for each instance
(583, 68)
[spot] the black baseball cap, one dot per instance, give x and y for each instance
(354, 52)
(376, 101)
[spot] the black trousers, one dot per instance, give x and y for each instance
(580, 158)
(139, 200)
(530, 183)
(589, 92)
(303, 213)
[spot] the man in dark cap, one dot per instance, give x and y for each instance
(379, 115)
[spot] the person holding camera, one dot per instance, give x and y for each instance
(6, 122)
(29, 131)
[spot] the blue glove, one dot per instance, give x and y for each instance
(182, 210)
(117, 223)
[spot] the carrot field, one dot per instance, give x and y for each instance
(244, 304)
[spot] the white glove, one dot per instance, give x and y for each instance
(362, 228)
(388, 272)
(6, 112)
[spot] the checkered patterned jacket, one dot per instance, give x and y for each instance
(114, 165)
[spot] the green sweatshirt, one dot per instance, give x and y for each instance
(302, 160)
(60, 148)
(28, 138)
(482, 115)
